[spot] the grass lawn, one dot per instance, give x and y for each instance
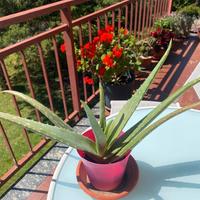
(15, 135)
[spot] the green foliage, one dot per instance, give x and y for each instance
(182, 24)
(179, 23)
(164, 23)
(12, 6)
(178, 4)
(191, 10)
(145, 46)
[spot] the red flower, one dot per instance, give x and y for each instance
(102, 71)
(100, 32)
(126, 31)
(117, 52)
(78, 63)
(106, 37)
(88, 51)
(96, 40)
(108, 61)
(88, 80)
(62, 48)
(109, 28)
(154, 34)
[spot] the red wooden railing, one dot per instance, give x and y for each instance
(136, 15)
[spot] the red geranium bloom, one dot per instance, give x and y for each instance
(62, 48)
(109, 28)
(88, 80)
(102, 71)
(78, 63)
(126, 31)
(117, 52)
(106, 37)
(108, 61)
(96, 40)
(100, 32)
(88, 51)
(154, 34)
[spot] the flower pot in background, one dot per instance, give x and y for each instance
(118, 91)
(145, 61)
(198, 32)
(157, 54)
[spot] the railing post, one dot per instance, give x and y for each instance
(169, 7)
(70, 55)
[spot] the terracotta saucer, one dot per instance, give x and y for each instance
(129, 181)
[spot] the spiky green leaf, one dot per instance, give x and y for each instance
(156, 111)
(129, 108)
(63, 135)
(44, 110)
(131, 144)
(102, 107)
(97, 130)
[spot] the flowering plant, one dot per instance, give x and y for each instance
(109, 56)
(163, 37)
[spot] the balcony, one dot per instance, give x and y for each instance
(33, 159)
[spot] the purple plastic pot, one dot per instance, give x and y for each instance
(104, 177)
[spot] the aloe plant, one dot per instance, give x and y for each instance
(108, 147)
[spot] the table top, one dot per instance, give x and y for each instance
(168, 161)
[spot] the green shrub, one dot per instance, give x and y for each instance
(164, 23)
(182, 24)
(178, 4)
(191, 10)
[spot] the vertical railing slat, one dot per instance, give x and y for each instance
(44, 71)
(98, 23)
(140, 17)
(113, 19)
(151, 12)
(131, 18)
(143, 17)
(126, 17)
(30, 84)
(119, 18)
(106, 19)
(155, 10)
(80, 32)
(7, 143)
(60, 76)
(136, 16)
(90, 31)
(3, 67)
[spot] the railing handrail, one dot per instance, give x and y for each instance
(37, 12)
(30, 41)
(99, 12)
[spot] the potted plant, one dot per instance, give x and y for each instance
(105, 144)
(144, 48)
(112, 58)
(162, 36)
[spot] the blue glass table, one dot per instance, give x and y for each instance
(168, 160)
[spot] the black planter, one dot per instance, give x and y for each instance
(118, 92)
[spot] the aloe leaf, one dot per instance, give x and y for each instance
(102, 107)
(152, 127)
(63, 135)
(44, 110)
(156, 111)
(97, 130)
(129, 108)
